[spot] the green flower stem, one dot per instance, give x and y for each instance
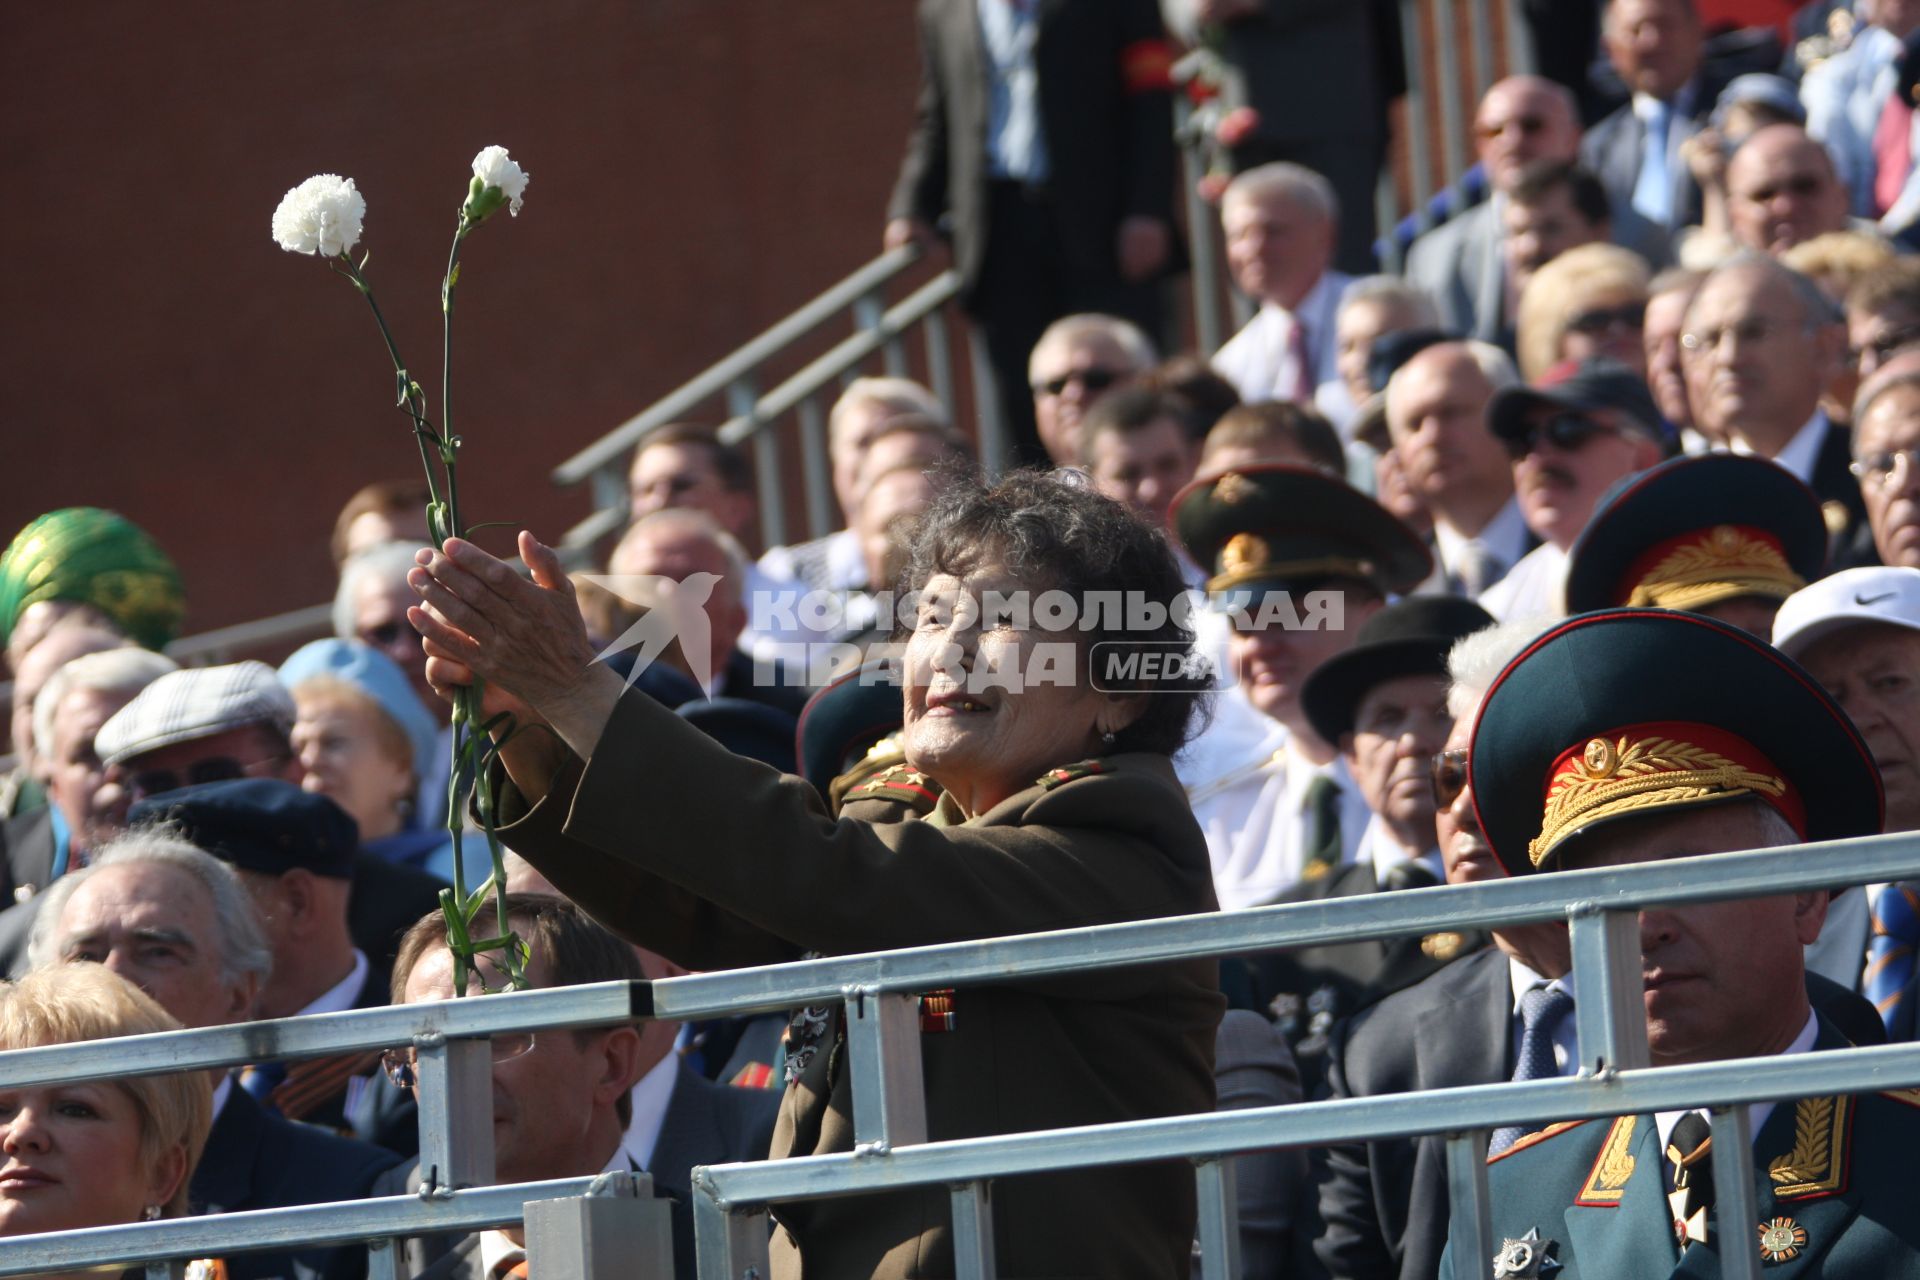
(409, 397)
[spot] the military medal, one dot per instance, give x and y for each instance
(1526, 1258)
(1782, 1240)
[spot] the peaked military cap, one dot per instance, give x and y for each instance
(1695, 531)
(842, 721)
(1410, 638)
(259, 824)
(1629, 712)
(1279, 525)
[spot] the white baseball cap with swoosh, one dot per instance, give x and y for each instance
(1847, 599)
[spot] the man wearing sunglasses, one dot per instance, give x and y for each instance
(1782, 190)
(1573, 435)
(1522, 121)
(213, 724)
(1078, 360)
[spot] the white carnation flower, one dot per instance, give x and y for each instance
(322, 215)
(495, 168)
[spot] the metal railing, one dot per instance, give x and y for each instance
(891, 1151)
(754, 416)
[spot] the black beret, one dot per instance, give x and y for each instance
(259, 824)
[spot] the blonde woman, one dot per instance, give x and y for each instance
(1589, 301)
(93, 1153)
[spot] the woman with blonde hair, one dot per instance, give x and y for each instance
(93, 1153)
(1589, 301)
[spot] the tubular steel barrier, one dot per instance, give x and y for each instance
(889, 1102)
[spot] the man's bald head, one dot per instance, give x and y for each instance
(1524, 120)
(1782, 189)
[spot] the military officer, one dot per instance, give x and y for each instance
(1298, 560)
(1629, 736)
(1727, 535)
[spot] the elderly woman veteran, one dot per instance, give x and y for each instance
(1025, 804)
(93, 1153)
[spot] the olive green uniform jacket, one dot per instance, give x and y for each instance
(716, 861)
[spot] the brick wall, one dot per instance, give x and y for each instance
(699, 168)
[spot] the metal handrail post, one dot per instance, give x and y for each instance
(1610, 1012)
(869, 313)
(1469, 1209)
(1519, 42)
(1419, 156)
(456, 1110)
(986, 408)
(729, 1242)
(940, 361)
(1216, 1183)
(1733, 1190)
(889, 1089)
(973, 1231)
(1447, 62)
(1205, 264)
(815, 465)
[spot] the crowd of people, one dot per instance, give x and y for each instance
(1590, 539)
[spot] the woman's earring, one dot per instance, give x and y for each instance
(150, 1213)
(1107, 737)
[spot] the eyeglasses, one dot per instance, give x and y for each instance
(1884, 468)
(153, 782)
(1449, 776)
(1566, 432)
(403, 1065)
(1095, 379)
(1885, 347)
(1744, 332)
(1604, 320)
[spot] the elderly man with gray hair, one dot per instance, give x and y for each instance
(176, 922)
(1282, 224)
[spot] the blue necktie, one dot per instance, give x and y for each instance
(1888, 978)
(1542, 1010)
(1653, 191)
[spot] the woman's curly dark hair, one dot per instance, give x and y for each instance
(1054, 533)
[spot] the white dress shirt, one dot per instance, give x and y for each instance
(1503, 541)
(1259, 360)
(650, 1098)
(1758, 1112)
(1533, 588)
(1378, 846)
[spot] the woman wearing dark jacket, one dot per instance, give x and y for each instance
(1030, 800)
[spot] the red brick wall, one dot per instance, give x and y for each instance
(699, 168)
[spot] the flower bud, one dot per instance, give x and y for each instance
(497, 180)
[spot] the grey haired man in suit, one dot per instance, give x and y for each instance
(577, 1103)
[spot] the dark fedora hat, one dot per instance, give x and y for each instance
(1410, 638)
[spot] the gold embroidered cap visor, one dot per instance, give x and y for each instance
(1631, 712)
(1277, 526)
(1696, 531)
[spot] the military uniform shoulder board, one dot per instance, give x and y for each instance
(1909, 1096)
(1070, 773)
(1534, 1139)
(903, 783)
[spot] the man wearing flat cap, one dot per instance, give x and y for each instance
(1384, 701)
(1583, 427)
(1726, 535)
(1629, 736)
(1297, 559)
(294, 853)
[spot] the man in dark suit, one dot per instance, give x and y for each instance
(1761, 343)
(1044, 138)
(176, 922)
(577, 1103)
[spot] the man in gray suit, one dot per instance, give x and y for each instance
(1522, 121)
(576, 1103)
(1658, 48)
